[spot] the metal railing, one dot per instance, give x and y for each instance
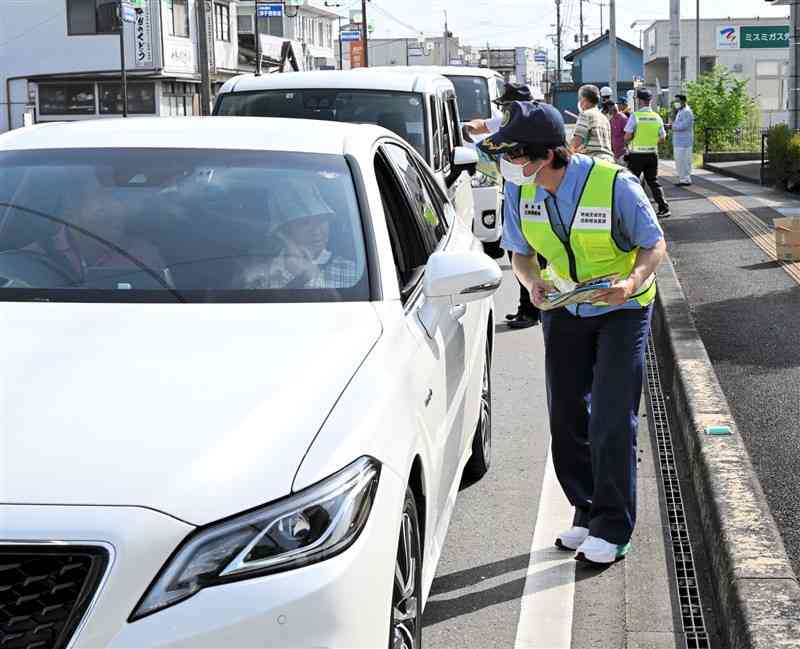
(736, 140)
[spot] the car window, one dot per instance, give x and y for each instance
(409, 247)
(473, 97)
(400, 112)
(453, 120)
(437, 135)
(500, 86)
(116, 225)
(447, 137)
(427, 211)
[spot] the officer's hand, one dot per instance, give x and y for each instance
(476, 126)
(539, 290)
(618, 294)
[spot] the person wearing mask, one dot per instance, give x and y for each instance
(605, 97)
(617, 120)
(592, 130)
(683, 140)
(589, 219)
(527, 315)
(643, 133)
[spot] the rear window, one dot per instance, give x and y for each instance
(473, 97)
(401, 112)
(186, 225)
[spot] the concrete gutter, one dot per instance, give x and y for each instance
(757, 591)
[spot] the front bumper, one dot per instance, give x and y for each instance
(344, 601)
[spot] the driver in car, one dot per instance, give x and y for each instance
(301, 222)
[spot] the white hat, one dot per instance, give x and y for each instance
(605, 91)
(292, 199)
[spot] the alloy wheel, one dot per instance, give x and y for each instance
(405, 597)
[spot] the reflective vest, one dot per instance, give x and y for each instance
(591, 252)
(648, 127)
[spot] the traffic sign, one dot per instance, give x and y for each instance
(128, 13)
(351, 36)
(269, 9)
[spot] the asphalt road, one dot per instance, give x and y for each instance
(747, 311)
(481, 578)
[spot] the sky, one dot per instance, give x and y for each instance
(516, 23)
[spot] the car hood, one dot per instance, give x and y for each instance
(199, 411)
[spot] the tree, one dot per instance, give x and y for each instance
(720, 101)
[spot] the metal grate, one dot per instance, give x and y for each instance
(45, 591)
(694, 625)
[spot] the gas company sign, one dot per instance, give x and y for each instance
(749, 37)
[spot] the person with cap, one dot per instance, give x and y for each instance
(527, 315)
(622, 104)
(592, 134)
(683, 140)
(590, 219)
(643, 133)
(605, 97)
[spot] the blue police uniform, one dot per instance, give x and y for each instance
(594, 356)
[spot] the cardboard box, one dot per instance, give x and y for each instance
(787, 238)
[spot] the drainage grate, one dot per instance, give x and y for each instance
(694, 625)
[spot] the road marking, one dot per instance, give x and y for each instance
(545, 617)
(758, 231)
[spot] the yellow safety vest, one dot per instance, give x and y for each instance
(591, 252)
(648, 127)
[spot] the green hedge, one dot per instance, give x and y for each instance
(783, 153)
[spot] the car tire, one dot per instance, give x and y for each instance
(406, 615)
(481, 459)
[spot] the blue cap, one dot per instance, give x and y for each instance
(526, 123)
(514, 92)
(623, 99)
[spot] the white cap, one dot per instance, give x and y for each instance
(605, 91)
(292, 199)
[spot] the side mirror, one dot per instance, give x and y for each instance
(465, 159)
(461, 277)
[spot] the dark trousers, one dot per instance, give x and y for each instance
(594, 369)
(647, 164)
(525, 304)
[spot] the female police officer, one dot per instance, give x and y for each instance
(589, 219)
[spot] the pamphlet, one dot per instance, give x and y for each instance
(579, 295)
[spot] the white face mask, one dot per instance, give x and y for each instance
(515, 174)
(580, 108)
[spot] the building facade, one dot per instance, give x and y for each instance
(755, 49)
(68, 68)
(408, 51)
(590, 62)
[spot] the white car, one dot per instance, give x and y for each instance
(420, 107)
(245, 364)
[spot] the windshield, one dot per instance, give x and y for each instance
(119, 225)
(473, 97)
(400, 112)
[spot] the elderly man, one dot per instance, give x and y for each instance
(592, 130)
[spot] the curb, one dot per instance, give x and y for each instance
(757, 591)
(724, 171)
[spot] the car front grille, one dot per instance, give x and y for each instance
(45, 591)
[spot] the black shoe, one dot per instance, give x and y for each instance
(523, 321)
(683, 184)
(663, 212)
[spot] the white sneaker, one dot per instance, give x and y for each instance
(596, 550)
(572, 538)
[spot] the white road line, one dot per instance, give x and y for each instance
(545, 619)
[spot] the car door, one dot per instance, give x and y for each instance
(460, 187)
(418, 227)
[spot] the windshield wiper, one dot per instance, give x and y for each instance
(108, 244)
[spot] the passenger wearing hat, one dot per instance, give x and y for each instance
(683, 140)
(643, 133)
(622, 104)
(589, 219)
(527, 315)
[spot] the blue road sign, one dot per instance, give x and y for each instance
(354, 35)
(270, 10)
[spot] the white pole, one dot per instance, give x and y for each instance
(794, 86)
(612, 50)
(674, 48)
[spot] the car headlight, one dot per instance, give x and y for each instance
(309, 526)
(480, 179)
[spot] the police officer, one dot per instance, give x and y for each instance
(589, 219)
(643, 133)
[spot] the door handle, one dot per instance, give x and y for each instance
(458, 311)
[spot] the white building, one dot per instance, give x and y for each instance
(68, 66)
(755, 49)
(311, 29)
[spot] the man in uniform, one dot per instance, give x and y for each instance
(643, 133)
(589, 219)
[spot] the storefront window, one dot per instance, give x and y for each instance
(141, 98)
(178, 99)
(66, 99)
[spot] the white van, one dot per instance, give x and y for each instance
(420, 107)
(476, 89)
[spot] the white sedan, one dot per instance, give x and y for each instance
(245, 363)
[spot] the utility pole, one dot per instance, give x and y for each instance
(257, 39)
(558, 41)
(123, 69)
(364, 32)
(674, 48)
(446, 42)
(697, 40)
(202, 44)
(794, 72)
(580, 4)
(612, 47)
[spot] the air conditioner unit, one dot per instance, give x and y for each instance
(737, 67)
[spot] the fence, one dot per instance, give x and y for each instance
(743, 144)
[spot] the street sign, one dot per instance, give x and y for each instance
(540, 57)
(350, 36)
(128, 13)
(357, 55)
(269, 10)
(416, 51)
